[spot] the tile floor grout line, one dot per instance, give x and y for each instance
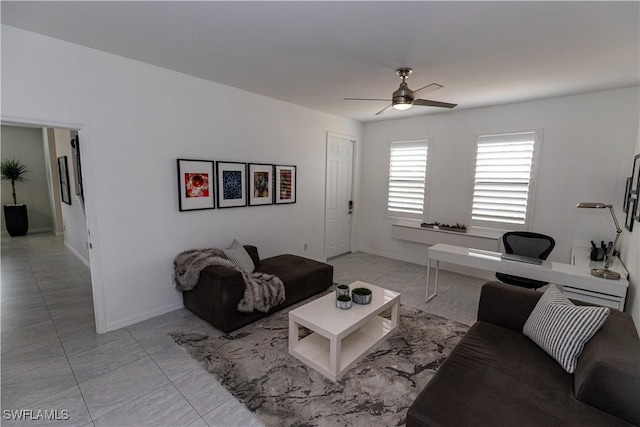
(167, 376)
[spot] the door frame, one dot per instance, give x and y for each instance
(97, 284)
(355, 188)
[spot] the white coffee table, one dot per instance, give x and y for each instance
(341, 337)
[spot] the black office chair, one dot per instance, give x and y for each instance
(529, 244)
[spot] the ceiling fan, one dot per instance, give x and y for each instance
(404, 98)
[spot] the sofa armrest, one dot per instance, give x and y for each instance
(607, 375)
(506, 305)
(219, 290)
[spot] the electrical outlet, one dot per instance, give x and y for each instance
(306, 246)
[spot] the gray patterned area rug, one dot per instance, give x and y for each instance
(254, 364)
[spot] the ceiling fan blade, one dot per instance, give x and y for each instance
(428, 103)
(429, 88)
(383, 110)
(366, 99)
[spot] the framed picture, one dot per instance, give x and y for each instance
(285, 184)
(633, 205)
(637, 206)
(77, 170)
(63, 172)
(260, 184)
(195, 185)
(635, 176)
(232, 184)
(627, 196)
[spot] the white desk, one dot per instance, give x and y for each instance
(577, 281)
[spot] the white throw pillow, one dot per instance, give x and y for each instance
(240, 257)
(561, 328)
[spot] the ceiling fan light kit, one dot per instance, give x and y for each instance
(404, 98)
(402, 105)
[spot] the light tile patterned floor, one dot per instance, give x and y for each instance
(53, 359)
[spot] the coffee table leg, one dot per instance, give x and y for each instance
(293, 333)
(395, 315)
(335, 350)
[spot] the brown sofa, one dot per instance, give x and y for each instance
(496, 376)
(216, 296)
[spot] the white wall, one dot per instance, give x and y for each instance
(27, 145)
(630, 254)
(135, 120)
(73, 219)
(587, 144)
(53, 180)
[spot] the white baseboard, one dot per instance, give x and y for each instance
(39, 230)
(77, 254)
(122, 323)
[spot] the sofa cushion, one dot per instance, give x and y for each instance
(561, 328)
(253, 253)
(302, 277)
(239, 256)
(498, 377)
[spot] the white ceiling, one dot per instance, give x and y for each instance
(316, 53)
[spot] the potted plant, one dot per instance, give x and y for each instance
(361, 295)
(343, 302)
(15, 216)
(457, 227)
(342, 290)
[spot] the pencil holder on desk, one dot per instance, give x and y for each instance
(597, 254)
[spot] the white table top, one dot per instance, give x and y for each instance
(548, 271)
(328, 319)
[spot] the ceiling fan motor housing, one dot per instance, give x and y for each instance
(403, 97)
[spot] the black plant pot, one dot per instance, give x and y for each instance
(16, 220)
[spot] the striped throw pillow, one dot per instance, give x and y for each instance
(238, 255)
(561, 328)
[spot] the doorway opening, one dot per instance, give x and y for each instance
(66, 231)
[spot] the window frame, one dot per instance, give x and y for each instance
(423, 142)
(533, 179)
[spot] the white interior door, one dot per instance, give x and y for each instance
(339, 178)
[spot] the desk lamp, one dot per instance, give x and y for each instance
(605, 273)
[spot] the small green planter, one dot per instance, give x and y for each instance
(343, 302)
(361, 295)
(342, 290)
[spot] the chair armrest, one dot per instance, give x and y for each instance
(506, 305)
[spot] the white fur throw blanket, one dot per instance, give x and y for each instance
(262, 290)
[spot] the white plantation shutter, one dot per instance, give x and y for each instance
(504, 165)
(407, 179)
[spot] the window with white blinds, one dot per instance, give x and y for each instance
(504, 169)
(407, 179)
